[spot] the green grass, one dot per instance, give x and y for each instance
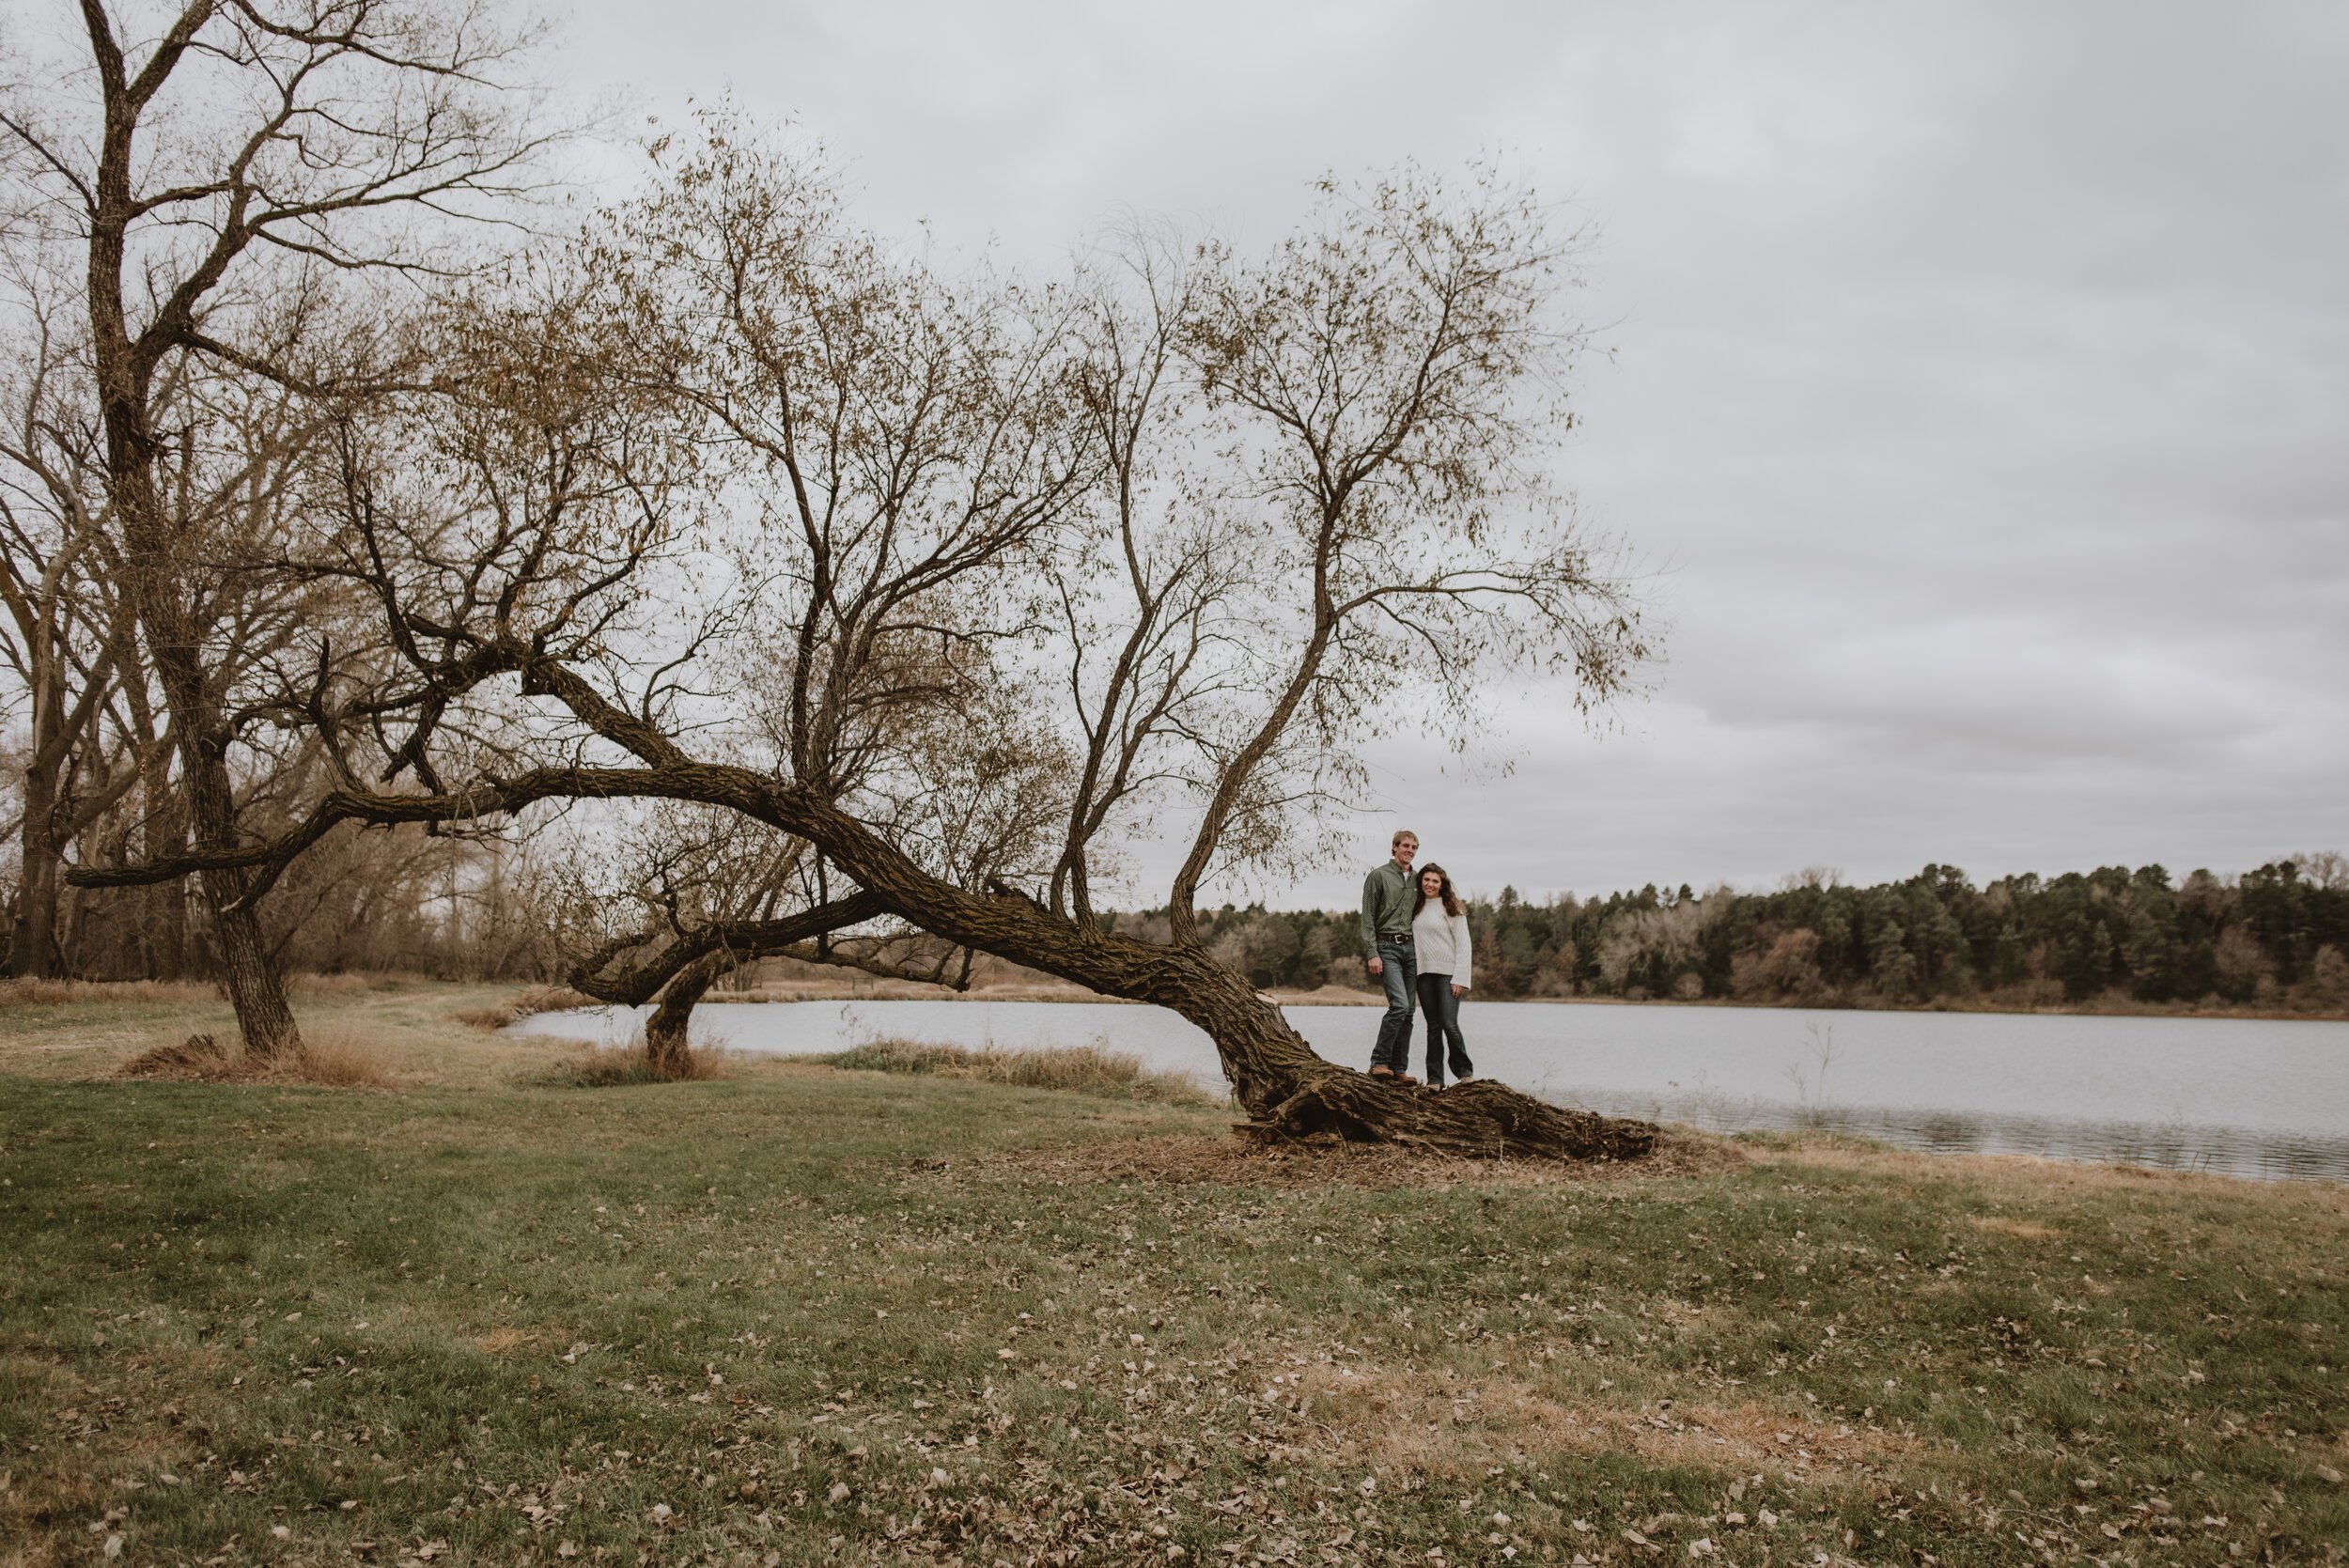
(1093, 1069)
(818, 1315)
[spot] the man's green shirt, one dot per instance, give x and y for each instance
(1386, 905)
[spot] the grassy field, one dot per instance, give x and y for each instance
(802, 1314)
(406, 1033)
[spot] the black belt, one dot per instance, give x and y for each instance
(1395, 936)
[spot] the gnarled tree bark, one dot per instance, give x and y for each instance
(666, 1045)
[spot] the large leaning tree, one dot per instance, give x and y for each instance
(1185, 529)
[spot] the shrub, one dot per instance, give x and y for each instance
(539, 999)
(57, 993)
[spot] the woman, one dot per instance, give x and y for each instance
(1439, 932)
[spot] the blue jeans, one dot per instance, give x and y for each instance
(1399, 971)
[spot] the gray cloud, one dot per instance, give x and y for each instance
(1980, 375)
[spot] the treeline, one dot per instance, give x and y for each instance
(2274, 939)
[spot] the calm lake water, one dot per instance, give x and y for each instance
(2251, 1097)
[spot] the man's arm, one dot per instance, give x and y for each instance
(1370, 920)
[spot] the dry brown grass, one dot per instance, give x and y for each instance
(330, 1059)
(339, 1057)
(523, 1004)
(2025, 1230)
(1402, 1420)
(60, 993)
(63, 993)
(351, 983)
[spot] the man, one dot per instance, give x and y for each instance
(1387, 942)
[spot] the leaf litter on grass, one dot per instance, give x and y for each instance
(1183, 1353)
(1189, 1158)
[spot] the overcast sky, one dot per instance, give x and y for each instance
(1980, 385)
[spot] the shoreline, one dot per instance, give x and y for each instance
(522, 999)
(1335, 996)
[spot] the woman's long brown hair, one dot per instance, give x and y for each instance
(1419, 891)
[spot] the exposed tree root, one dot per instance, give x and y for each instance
(1478, 1120)
(1314, 1163)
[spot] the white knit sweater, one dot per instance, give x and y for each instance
(1440, 942)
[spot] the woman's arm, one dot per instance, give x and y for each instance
(1464, 964)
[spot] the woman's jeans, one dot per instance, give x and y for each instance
(1397, 965)
(1443, 1027)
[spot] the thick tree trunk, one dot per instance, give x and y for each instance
(33, 953)
(33, 948)
(247, 967)
(254, 988)
(176, 637)
(36, 945)
(249, 971)
(667, 1031)
(161, 553)
(1290, 1091)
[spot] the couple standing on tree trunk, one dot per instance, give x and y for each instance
(1415, 934)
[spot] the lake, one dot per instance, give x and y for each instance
(2249, 1098)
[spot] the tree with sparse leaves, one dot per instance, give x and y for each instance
(1152, 549)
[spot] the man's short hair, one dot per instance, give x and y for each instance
(1400, 834)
